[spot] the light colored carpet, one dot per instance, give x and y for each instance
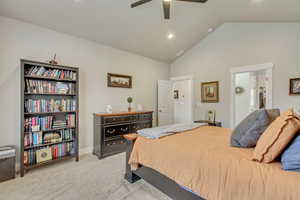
(89, 179)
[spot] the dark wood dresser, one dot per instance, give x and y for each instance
(110, 128)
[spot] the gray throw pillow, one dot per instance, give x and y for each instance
(247, 133)
(273, 114)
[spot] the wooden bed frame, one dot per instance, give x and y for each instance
(158, 180)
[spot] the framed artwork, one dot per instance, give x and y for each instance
(295, 86)
(176, 94)
(210, 92)
(118, 80)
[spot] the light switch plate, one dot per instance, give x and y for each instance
(297, 109)
(199, 104)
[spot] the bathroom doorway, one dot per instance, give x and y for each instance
(251, 89)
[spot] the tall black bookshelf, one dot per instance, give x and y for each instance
(49, 114)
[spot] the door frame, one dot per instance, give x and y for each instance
(251, 68)
(183, 78)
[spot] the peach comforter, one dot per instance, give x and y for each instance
(202, 160)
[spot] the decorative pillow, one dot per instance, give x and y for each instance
(247, 133)
(290, 158)
(277, 136)
(273, 114)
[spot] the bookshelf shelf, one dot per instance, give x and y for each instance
(51, 130)
(47, 87)
(68, 157)
(48, 78)
(50, 94)
(49, 113)
(46, 145)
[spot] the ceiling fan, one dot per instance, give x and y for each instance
(166, 5)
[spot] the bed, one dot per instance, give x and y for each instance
(200, 164)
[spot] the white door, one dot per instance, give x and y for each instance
(164, 110)
(182, 104)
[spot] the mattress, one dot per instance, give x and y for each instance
(202, 161)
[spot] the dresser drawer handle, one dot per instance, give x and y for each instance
(124, 129)
(111, 131)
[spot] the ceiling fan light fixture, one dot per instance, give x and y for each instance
(170, 36)
(166, 5)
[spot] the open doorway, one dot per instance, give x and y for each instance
(175, 101)
(251, 89)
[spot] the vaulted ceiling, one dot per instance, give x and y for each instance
(143, 30)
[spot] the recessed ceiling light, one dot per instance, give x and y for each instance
(167, 0)
(210, 30)
(171, 36)
(256, 1)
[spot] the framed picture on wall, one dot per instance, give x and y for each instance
(118, 80)
(176, 94)
(295, 86)
(210, 92)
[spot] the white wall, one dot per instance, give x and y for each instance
(21, 40)
(241, 44)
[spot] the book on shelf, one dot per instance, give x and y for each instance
(58, 136)
(49, 87)
(34, 138)
(33, 156)
(38, 138)
(59, 124)
(50, 73)
(71, 120)
(49, 105)
(35, 124)
(43, 155)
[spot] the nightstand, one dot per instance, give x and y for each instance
(210, 123)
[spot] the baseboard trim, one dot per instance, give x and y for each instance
(86, 150)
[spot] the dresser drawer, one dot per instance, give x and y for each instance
(113, 147)
(141, 125)
(114, 142)
(114, 131)
(145, 117)
(144, 125)
(115, 120)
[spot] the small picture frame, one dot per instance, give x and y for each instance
(210, 92)
(211, 115)
(295, 86)
(176, 94)
(119, 80)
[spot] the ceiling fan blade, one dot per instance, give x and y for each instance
(166, 6)
(138, 3)
(195, 1)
